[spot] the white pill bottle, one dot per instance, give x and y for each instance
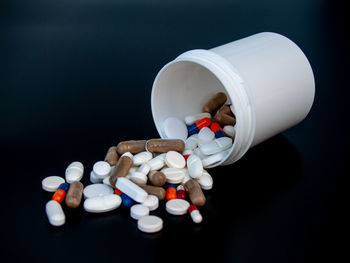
(267, 78)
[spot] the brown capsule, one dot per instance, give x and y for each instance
(121, 169)
(112, 156)
(131, 146)
(154, 190)
(165, 145)
(73, 197)
(225, 109)
(157, 178)
(195, 192)
(215, 103)
(224, 119)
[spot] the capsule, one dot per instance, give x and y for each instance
(195, 214)
(215, 103)
(224, 116)
(112, 156)
(154, 190)
(181, 192)
(121, 168)
(215, 128)
(165, 145)
(74, 194)
(60, 193)
(126, 200)
(157, 178)
(195, 192)
(171, 192)
(195, 127)
(133, 147)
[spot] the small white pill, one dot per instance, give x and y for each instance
(177, 206)
(94, 179)
(191, 142)
(174, 128)
(199, 154)
(194, 166)
(101, 204)
(230, 130)
(193, 118)
(205, 135)
(141, 158)
(175, 160)
(218, 145)
(150, 224)
(138, 178)
(215, 158)
(157, 162)
(152, 202)
(138, 211)
(51, 183)
(94, 190)
(173, 175)
(101, 169)
(74, 172)
(205, 181)
(145, 168)
(55, 213)
(131, 189)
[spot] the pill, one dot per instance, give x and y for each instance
(165, 145)
(173, 175)
(157, 178)
(195, 192)
(226, 109)
(60, 193)
(74, 172)
(152, 202)
(198, 125)
(106, 181)
(215, 158)
(174, 128)
(51, 183)
(205, 135)
(224, 116)
(126, 200)
(175, 160)
(191, 142)
(159, 192)
(55, 213)
(138, 177)
(157, 162)
(94, 179)
(74, 194)
(195, 214)
(131, 189)
(177, 206)
(101, 204)
(94, 190)
(230, 131)
(218, 145)
(187, 177)
(205, 181)
(190, 119)
(133, 147)
(112, 156)
(215, 127)
(138, 211)
(145, 168)
(200, 154)
(141, 158)
(150, 224)
(215, 103)
(121, 168)
(194, 166)
(180, 192)
(101, 169)
(187, 153)
(171, 193)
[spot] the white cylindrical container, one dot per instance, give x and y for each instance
(267, 78)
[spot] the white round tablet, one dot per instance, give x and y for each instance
(93, 190)
(101, 169)
(94, 179)
(175, 160)
(138, 211)
(150, 224)
(175, 128)
(51, 183)
(173, 175)
(177, 206)
(152, 202)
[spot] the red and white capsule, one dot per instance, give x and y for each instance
(181, 192)
(195, 214)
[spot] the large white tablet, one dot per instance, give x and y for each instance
(94, 190)
(101, 204)
(150, 224)
(131, 189)
(52, 183)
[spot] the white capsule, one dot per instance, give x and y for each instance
(74, 172)
(205, 135)
(94, 179)
(230, 130)
(157, 162)
(101, 204)
(55, 213)
(196, 216)
(131, 189)
(175, 160)
(193, 118)
(141, 158)
(191, 142)
(194, 166)
(205, 181)
(101, 169)
(215, 158)
(218, 145)
(173, 175)
(138, 178)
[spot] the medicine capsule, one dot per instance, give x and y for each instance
(60, 193)
(112, 156)
(215, 103)
(121, 168)
(154, 190)
(74, 194)
(171, 192)
(157, 178)
(165, 145)
(133, 147)
(195, 214)
(195, 192)
(224, 116)
(195, 127)
(126, 200)
(181, 192)
(215, 128)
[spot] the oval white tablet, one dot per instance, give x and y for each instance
(157, 162)
(205, 181)
(175, 160)
(131, 189)
(145, 168)
(55, 213)
(190, 119)
(174, 128)
(152, 202)
(141, 158)
(230, 130)
(101, 204)
(74, 172)
(194, 166)
(191, 142)
(177, 206)
(101, 169)
(173, 175)
(199, 154)
(187, 176)
(94, 179)
(218, 145)
(205, 135)
(150, 224)
(94, 190)
(51, 183)
(138, 178)
(138, 211)
(215, 158)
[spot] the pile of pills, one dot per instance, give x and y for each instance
(139, 174)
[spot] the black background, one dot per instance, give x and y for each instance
(76, 78)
